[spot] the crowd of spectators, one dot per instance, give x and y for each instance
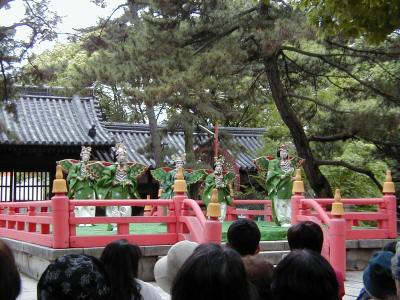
(235, 271)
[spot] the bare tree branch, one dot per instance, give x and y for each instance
(349, 166)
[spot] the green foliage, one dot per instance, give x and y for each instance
(351, 184)
(372, 19)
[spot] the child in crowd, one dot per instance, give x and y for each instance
(121, 262)
(304, 275)
(212, 273)
(244, 237)
(309, 235)
(10, 281)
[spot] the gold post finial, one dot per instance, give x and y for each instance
(59, 184)
(298, 184)
(388, 185)
(214, 208)
(337, 205)
(180, 183)
(160, 191)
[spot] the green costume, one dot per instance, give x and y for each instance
(166, 177)
(80, 183)
(278, 175)
(223, 189)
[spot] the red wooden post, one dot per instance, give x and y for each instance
(2, 222)
(11, 212)
(390, 201)
(213, 227)
(298, 190)
(60, 212)
(337, 236)
(31, 212)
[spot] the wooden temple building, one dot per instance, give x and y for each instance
(48, 128)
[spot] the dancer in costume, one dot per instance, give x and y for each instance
(222, 181)
(166, 176)
(80, 183)
(279, 182)
(117, 180)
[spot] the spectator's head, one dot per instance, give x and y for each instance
(305, 235)
(167, 267)
(304, 275)
(396, 268)
(121, 262)
(244, 236)
(10, 281)
(212, 273)
(259, 272)
(73, 277)
(391, 246)
(377, 277)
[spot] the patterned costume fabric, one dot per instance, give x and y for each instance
(74, 276)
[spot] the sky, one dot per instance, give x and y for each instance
(74, 13)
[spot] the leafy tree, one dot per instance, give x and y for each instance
(374, 19)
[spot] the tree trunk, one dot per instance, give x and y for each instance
(188, 136)
(154, 135)
(317, 180)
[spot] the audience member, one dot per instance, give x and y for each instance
(211, 273)
(121, 262)
(304, 275)
(168, 266)
(377, 277)
(10, 281)
(391, 246)
(73, 277)
(244, 237)
(309, 235)
(259, 273)
(396, 268)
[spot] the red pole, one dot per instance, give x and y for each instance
(337, 242)
(216, 142)
(60, 213)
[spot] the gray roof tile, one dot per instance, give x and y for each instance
(54, 120)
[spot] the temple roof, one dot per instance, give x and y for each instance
(244, 143)
(54, 120)
(62, 121)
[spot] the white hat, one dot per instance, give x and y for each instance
(168, 266)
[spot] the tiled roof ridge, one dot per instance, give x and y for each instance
(121, 126)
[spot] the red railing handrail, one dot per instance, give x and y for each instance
(321, 212)
(197, 210)
(124, 202)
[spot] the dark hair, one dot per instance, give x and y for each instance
(259, 272)
(121, 262)
(244, 236)
(211, 273)
(305, 235)
(74, 276)
(304, 275)
(10, 281)
(391, 246)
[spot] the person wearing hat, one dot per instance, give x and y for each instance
(74, 276)
(377, 278)
(168, 266)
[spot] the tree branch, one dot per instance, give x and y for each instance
(332, 138)
(350, 167)
(319, 103)
(322, 57)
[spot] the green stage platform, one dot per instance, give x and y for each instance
(269, 231)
